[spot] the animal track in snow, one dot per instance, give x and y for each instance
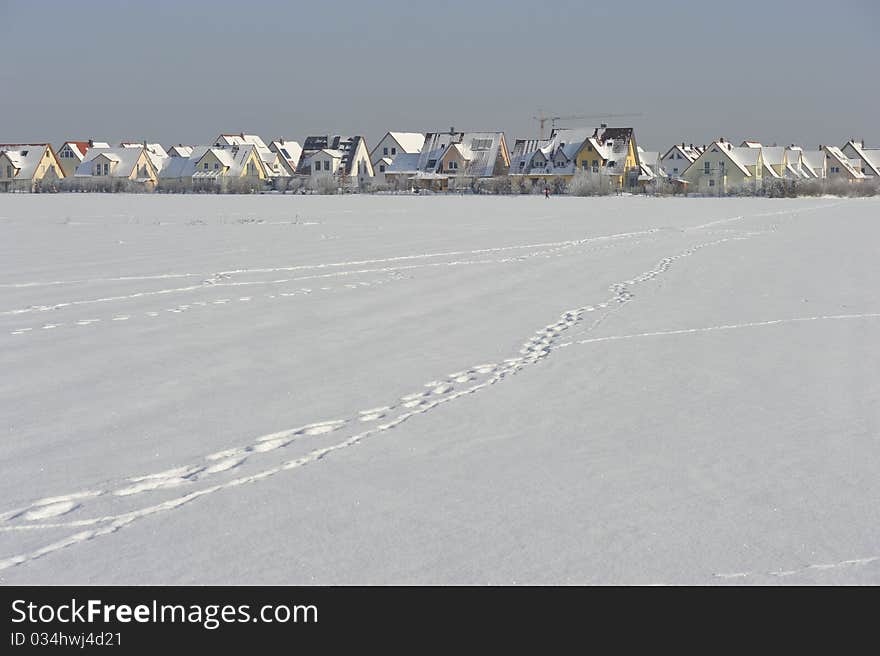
(198, 476)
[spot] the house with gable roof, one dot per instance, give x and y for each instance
(868, 158)
(72, 153)
(611, 152)
(839, 167)
(723, 168)
(343, 157)
(678, 158)
(215, 168)
(29, 167)
(392, 145)
(106, 166)
(272, 164)
(289, 153)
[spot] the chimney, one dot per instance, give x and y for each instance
(682, 144)
(241, 134)
(91, 143)
(451, 129)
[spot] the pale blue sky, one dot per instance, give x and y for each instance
(172, 71)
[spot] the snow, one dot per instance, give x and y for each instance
(444, 389)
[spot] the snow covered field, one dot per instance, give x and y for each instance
(366, 389)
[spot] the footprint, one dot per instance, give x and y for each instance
(373, 413)
(442, 389)
(225, 465)
(271, 445)
(321, 428)
(228, 453)
(51, 510)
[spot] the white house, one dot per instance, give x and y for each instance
(392, 145)
(345, 157)
(677, 159)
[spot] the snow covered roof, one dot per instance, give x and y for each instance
(78, 148)
(751, 144)
(480, 150)
(289, 151)
(345, 144)
(180, 151)
(870, 156)
(404, 163)
(773, 155)
(233, 158)
(689, 151)
(814, 161)
(835, 154)
(410, 142)
(125, 157)
(25, 157)
(241, 139)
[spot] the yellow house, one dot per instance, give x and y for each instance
(224, 164)
(29, 167)
(614, 152)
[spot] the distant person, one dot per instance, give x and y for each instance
(547, 192)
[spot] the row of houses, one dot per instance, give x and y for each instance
(433, 160)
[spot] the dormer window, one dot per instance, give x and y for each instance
(394, 151)
(205, 166)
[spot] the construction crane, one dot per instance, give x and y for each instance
(542, 119)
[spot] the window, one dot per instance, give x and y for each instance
(381, 168)
(216, 166)
(585, 165)
(394, 151)
(453, 165)
(205, 165)
(106, 168)
(8, 171)
(711, 182)
(706, 168)
(522, 165)
(327, 165)
(677, 155)
(384, 151)
(251, 169)
(595, 163)
(675, 170)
